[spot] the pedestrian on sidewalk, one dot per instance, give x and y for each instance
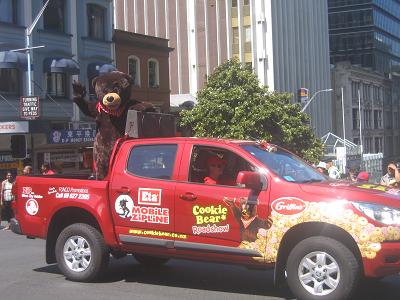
(6, 198)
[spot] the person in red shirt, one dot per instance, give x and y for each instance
(216, 167)
(45, 169)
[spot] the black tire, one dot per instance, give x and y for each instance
(150, 261)
(347, 275)
(88, 267)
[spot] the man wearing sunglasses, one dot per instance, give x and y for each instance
(216, 167)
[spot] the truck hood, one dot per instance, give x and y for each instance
(360, 192)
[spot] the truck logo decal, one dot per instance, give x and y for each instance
(51, 190)
(145, 214)
(149, 196)
(27, 192)
(208, 216)
(288, 206)
(32, 207)
(63, 192)
(123, 206)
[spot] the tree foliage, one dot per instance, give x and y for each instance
(234, 105)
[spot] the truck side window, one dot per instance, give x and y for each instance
(153, 161)
(199, 169)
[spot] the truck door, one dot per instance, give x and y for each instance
(220, 217)
(142, 191)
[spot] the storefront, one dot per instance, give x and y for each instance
(66, 146)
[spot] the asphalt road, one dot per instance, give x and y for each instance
(25, 275)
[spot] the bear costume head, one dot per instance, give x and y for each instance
(113, 92)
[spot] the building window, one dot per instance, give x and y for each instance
(153, 73)
(234, 3)
(8, 11)
(56, 83)
(355, 119)
(378, 144)
(355, 87)
(378, 119)
(134, 69)
(235, 40)
(368, 145)
(95, 14)
(367, 92)
(53, 18)
(9, 81)
(367, 118)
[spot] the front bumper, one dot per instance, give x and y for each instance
(386, 262)
(14, 226)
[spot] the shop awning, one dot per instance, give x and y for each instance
(13, 60)
(60, 65)
(96, 69)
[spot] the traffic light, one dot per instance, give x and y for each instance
(18, 146)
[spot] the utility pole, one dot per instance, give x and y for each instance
(344, 136)
(361, 139)
(28, 48)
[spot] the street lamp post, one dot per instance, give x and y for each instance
(313, 96)
(28, 47)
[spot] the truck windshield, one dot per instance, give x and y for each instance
(285, 165)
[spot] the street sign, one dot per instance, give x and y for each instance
(14, 127)
(303, 95)
(29, 107)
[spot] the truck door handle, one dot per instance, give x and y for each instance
(123, 190)
(188, 196)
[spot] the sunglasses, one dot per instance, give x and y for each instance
(216, 165)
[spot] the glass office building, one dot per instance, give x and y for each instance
(366, 33)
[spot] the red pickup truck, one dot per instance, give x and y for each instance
(320, 236)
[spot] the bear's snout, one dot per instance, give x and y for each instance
(112, 100)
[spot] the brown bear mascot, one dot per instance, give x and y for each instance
(113, 91)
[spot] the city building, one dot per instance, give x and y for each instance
(286, 42)
(369, 93)
(366, 33)
(146, 59)
(77, 40)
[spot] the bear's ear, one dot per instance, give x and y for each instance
(125, 81)
(94, 81)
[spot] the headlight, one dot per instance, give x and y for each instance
(380, 213)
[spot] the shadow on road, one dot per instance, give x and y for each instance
(221, 278)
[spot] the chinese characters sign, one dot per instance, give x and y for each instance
(71, 136)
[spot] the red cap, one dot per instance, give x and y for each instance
(215, 160)
(363, 176)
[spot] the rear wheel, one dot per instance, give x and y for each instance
(322, 268)
(150, 261)
(81, 252)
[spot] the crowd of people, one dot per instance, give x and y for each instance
(391, 178)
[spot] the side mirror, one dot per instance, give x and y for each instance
(250, 180)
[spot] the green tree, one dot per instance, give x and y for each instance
(234, 105)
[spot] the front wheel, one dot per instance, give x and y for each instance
(322, 268)
(81, 252)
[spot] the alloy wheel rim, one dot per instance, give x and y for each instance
(77, 253)
(319, 273)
